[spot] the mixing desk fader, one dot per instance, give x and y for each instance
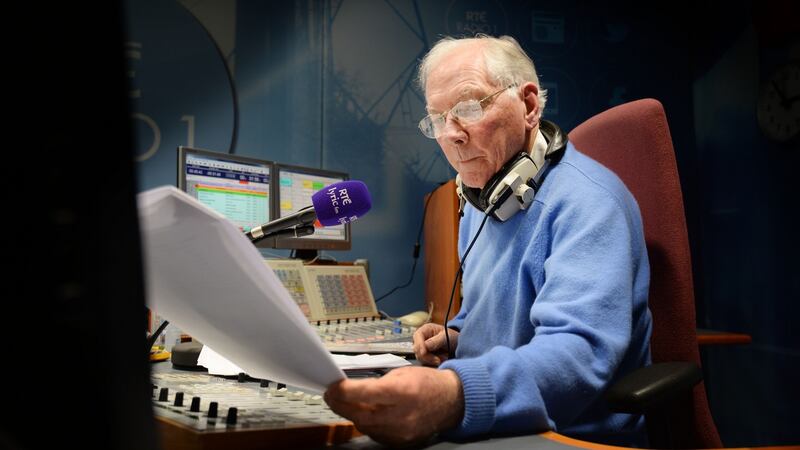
(366, 335)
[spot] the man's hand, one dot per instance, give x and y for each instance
(430, 345)
(405, 406)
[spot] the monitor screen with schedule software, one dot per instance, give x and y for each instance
(238, 187)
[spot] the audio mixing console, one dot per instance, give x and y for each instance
(338, 301)
(366, 335)
(197, 411)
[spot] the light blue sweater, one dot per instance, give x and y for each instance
(554, 309)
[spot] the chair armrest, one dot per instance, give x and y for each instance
(649, 387)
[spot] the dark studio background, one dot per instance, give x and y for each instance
(330, 84)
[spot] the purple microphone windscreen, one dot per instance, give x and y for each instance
(341, 202)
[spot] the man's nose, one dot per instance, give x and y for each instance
(453, 131)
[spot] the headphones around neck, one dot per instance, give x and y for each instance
(512, 188)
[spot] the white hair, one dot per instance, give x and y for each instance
(506, 62)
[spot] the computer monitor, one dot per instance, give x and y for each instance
(237, 187)
(294, 186)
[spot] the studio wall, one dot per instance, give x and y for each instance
(330, 84)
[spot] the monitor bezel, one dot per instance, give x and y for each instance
(307, 243)
(183, 151)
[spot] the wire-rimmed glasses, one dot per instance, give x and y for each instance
(466, 112)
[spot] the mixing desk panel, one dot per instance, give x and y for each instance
(338, 301)
(343, 291)
(366, 336)
(326, 292)
(293, 277)
(199, 411)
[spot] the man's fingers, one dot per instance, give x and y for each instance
(406, 405)
(435, 343)
(431, 361)
(422, 334)
(438, 343)
(419, 345)
(363, 416)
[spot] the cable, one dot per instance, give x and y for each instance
(153, 337)
(458, 274)
(416, 248)
(313, 260)
(272, 255)
(410, 279)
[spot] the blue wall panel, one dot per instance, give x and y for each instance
(180, 89)
(278, 76)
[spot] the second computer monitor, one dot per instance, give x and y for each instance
(294, 186)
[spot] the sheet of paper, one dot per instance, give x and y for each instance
(206, 277)
(367, 361)
(218, 365)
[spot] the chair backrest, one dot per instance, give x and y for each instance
(633, 140)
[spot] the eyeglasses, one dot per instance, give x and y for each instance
(468, 111)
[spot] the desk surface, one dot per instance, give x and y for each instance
(175, 436)
(544, 441)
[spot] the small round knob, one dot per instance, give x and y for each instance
(525, 194)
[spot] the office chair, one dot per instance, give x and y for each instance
(633, 140)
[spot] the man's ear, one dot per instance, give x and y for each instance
(530, 96)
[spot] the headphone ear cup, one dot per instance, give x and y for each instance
(489, 191)
(483, 197)
(524, 169)
(491, 185)
(472, 195)
(466, 193)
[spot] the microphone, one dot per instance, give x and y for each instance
(336, 204)
(298, 231)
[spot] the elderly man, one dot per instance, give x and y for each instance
(555, 294)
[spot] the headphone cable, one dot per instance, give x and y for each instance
(416, 249)
(151, 341)
(458, 274)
